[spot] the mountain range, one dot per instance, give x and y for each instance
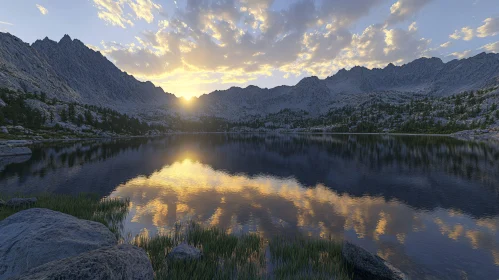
(70, 71)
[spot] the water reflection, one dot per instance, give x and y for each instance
(429, 205)
(189, 190)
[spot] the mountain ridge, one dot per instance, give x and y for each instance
(75, 73)
(70, 71)
(424, 76)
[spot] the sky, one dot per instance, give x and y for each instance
(193, 47)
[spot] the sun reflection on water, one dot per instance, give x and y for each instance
(189, 190)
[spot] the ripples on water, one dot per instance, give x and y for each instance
(429, 205)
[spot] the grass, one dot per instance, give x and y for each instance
(225, 256)
(250, 256)
(109, 211)
(306, 258)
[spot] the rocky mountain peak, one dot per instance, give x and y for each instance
(309, 81)
(69, 70)
(66, 39)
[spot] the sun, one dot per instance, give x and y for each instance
(186, 101)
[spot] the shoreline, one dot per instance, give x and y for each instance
(461, 135)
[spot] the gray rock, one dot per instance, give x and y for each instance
(7, 150)
(4, 161)
(33, 237)
(16, 202)
(123, 262)
(185, 252)
(16, 143)
(4, 130)
(368, 266)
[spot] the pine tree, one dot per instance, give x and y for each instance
(64, 115)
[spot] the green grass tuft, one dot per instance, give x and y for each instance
(249, 256)
(225, 256)
(306, 258)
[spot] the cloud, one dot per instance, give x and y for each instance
(461, 55)
(230, 41)
(465, 33)
(6, 23)
(491, 47)
(405, 9)
(42, 9)
(144, 9)
(446, 44)
(113, 11)
(490, 28)
(344, 13)
(413, 27)
(378, 46)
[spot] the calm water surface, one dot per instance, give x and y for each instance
(429, 205)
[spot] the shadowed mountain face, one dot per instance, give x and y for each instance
(407, 199)
(70, 71)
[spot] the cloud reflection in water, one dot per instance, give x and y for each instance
(190, 190)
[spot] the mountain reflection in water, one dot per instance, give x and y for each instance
(429, 205)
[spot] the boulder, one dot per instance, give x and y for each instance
(4, 130)
(7, 150)
(125, 262)
(185, 252)
(4, 161)
(17, 202)
(368, 266)
(33, 237)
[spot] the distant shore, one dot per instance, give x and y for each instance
(469, 135)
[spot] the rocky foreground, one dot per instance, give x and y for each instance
(44, 244)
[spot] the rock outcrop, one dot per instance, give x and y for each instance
(34, 237)
(185, 252)
(6, 160)
(123, 262)
(8, 150)
(368, 266)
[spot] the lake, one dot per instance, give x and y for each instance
(429, 205)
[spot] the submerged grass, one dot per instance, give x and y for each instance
(249, 256)
(108, 211)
